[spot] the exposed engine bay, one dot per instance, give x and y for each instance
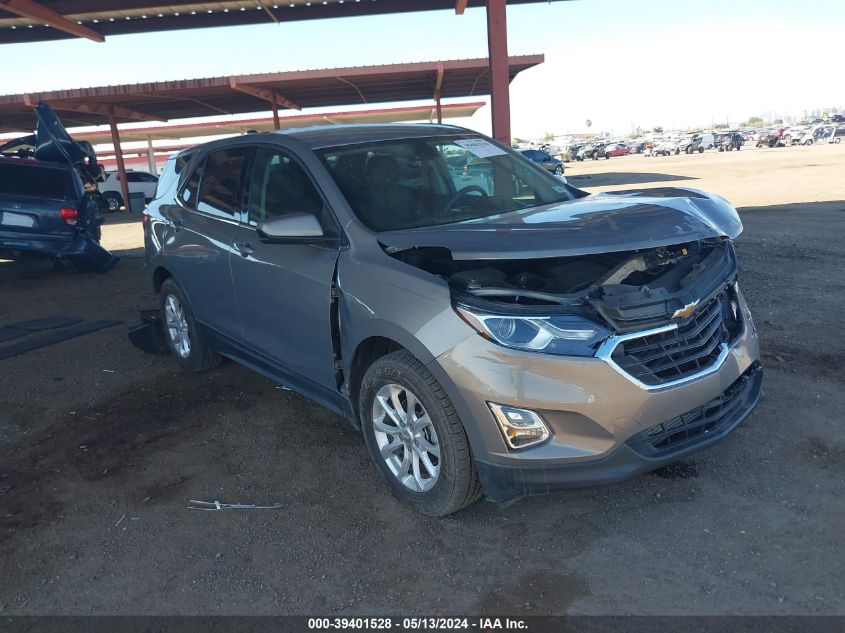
(628, 290)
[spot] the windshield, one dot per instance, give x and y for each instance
(411, 183)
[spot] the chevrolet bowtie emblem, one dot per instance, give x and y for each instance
(686, 310)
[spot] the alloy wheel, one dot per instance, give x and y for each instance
(406, 438)
(177, 326)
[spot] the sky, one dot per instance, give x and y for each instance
(619, 63)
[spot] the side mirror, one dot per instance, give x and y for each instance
(294, 228)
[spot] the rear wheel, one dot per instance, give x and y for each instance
(184, 338)
(415, 437)
(559, 170)
(113, 201)
(607, 155)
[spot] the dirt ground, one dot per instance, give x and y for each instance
(102, 447)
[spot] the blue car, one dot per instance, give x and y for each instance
(47, 210)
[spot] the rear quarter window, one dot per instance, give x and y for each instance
(33, 181)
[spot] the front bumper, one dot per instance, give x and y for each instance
(594, 413)
(502, 483)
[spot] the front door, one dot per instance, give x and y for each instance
(284, 290)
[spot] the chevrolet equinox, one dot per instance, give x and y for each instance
(491, 329)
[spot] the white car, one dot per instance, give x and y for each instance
(664, 148)
(138, 182)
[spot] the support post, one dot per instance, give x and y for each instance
(497, 46)
(275, 114)
(118, 154)
(437, 87)
(151, 157)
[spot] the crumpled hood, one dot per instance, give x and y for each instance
(597, 223)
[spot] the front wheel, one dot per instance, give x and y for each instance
(184, 337)
(415, 437)
(559, 170)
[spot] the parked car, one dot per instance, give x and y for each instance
(793, 135)
(638, 147)
(696, 143)
(570, 152)
(616, 149)
(137, 181)
(487, 339)
(729, 141)
(49, 204)
(771, 137)
(664, 148)
(545, 160)
(586, 151)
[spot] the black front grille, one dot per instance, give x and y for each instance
(692, 347)
(719, 415)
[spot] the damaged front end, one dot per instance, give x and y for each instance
(658, 315)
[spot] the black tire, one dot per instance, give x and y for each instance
(457, 484)
(700, 149)
(607, 155)
(200, 357)
(113, 201)
(559, 170)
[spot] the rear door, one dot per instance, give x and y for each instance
(284, 291)
(199, 240)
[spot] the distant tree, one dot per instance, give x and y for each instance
(754, 121)
(721, 126)
(589, 123)
(778, 122)
(519, 141)
(658, 129)
(548, 137)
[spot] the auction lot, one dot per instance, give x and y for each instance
(103, 446)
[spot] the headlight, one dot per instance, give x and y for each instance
(564, 335)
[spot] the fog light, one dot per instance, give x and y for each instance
(521, 428)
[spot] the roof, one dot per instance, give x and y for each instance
(239, 94)
(40, 20)
(266, 124)
(331, 135)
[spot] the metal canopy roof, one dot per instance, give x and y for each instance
(161, 101)
(266, 124)
(40, 20)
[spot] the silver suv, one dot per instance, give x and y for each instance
(489, 328)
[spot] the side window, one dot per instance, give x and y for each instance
(220, 185)
(190, 190)
(133, 177)
(280, 186)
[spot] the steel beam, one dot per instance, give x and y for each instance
(497, 45)
(118, 154)
(151, 156)
(92, 107)
(276, 115)
(35, 11)
(263, 93)
(438, 84)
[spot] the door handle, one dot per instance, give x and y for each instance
(244, 248)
